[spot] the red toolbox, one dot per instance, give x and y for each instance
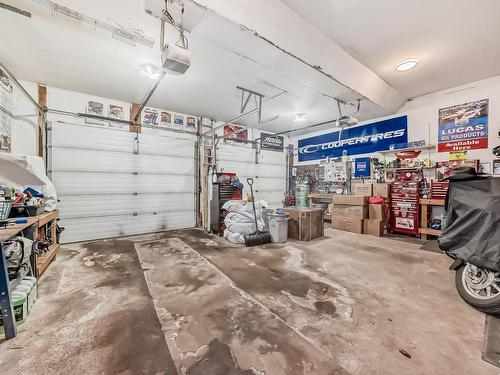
(404, 202)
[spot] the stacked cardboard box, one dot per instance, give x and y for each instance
(377, 220)
(362, 189)
(381, 190)
(348, 212)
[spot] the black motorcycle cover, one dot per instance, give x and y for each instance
(472, 224)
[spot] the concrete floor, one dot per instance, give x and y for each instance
(185, 302)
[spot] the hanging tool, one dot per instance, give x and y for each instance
(257, 237)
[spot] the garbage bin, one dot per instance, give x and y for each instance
(278, 227)
(266, 212)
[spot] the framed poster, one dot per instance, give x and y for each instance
(191, 122)
(235, 133)
(463, 127)
(116, 111)
(272, 142)
(6, 93)
(179, 120)
(362, 167)
(95, 108)
(165, 118)
(150, 116)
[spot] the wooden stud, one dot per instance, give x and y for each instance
(42, 101)
(135, 128)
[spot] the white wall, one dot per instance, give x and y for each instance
(422, 115)
(25, 121)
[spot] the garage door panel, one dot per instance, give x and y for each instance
(75, 183)
(106, 227)
(97, 205)
(77, 136)
(269, 173)
(104, 161)
(106, 190)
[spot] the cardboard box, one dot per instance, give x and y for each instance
(347, 211)
(305, 224)
(347, 224)
(377, 212)
(381, 190)
(362, 189)
(373, 227)
(351, 200)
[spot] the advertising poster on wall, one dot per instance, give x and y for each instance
(150, 116)
(6, 92)
(116, 112)
(272, 142)
(191, 122)
(463, 127)
(235, 133)
(95, 108)
(364, 139)
(179, 120)
(165, 118)
(362, 167)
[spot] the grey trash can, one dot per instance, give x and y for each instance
(278, 227)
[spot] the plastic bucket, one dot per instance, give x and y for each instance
(20, 307)
(278, 228)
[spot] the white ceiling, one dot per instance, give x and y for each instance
(61, 54)
(225, 54)
(455, 41)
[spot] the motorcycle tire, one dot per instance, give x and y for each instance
(489, 306)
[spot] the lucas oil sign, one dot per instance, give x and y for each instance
(364, 139)
(463, 127)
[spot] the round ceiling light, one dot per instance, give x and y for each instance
(299, 118)
(406, 65)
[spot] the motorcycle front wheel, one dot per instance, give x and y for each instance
(479, 287)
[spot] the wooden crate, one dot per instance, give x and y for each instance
(305, 224)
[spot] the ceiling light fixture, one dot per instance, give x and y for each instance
(150, 71)
(406, 65)
(299, 118)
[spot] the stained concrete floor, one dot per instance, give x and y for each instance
(185, 302)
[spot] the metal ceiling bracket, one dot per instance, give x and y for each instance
(15, 10)
(246, 96)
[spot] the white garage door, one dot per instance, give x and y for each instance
(107, 191)
(269, 173)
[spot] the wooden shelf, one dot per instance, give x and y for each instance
(432, 202)
(44, 260)
(47, 217)
(427, 147)
(429, 231)
(319, 196)
(13, 230)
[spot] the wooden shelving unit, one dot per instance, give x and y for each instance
(44, 260)
(424, 210)
(28, 230)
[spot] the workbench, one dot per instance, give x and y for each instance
(424, 213)
(28, 230)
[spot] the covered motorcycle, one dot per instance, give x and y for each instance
(471, 235)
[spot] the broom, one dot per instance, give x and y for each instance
(257, 237)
